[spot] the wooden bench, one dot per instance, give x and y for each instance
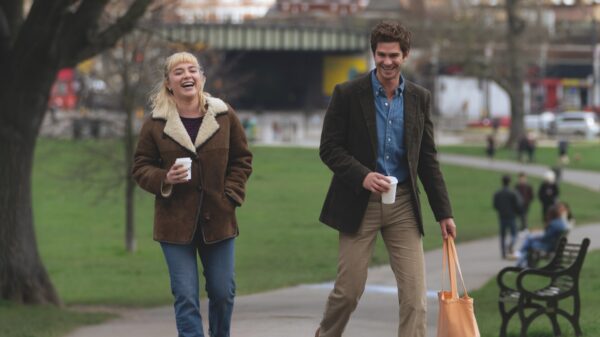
(536, 256)
(562, 273)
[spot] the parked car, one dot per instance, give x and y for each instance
(578, 123)
(542, 122)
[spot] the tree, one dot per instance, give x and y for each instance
(514, 81)
(33, 47)
(129, 70)
(493, 43)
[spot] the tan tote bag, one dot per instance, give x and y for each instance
(456, 317)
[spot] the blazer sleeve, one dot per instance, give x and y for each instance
(146, 169)
(333, 149)
(429, 168)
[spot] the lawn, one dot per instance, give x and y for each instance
(488, 317)
(80, 227)
(583, 155)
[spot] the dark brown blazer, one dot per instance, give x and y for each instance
(349, 149)
(221, 165)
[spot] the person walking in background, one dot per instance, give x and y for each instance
(531, 146)
(548, 192)
(563, 152)
(555, 225)
(507, 204)
(522, 148)
(490, 146)
(194, 208)
(525, 191)
(380, 125)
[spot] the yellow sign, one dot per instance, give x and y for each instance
(85, 67)
(338, 69)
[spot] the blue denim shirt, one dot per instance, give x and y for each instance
(391, 153)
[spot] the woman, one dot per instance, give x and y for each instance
(195, 216)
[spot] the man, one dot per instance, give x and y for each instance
(526, 193)
(507, 204)
(379, 125)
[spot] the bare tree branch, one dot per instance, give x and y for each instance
(11, 18)
(112, 34)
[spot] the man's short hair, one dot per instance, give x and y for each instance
(505, 180)
(391, 31)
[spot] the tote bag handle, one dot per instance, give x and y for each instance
(450, 257)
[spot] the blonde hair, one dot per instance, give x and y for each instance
(161, 98)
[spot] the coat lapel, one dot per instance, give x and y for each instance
(209, 124)
(174, 127)
(367, 103)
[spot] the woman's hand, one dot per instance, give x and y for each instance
(177, 174)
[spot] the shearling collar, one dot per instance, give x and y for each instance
(174, 127)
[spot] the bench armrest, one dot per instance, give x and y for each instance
(504, 271)
(552, 274)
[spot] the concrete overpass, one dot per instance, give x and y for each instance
(268, 37)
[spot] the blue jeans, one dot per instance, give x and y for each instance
(507, 224)
(218, 262)
(533, 241)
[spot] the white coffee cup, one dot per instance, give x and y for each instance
(187, 163)
(389, 197)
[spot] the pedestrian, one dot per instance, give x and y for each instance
(555, 226)
(194, 215)
(507, 204)
(563, 151)
(531, 146)
(379, 125)
(522, 148)
(525, 191)
(548, 192)
(495, 125)
(490, 148)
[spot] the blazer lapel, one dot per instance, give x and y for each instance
(411, 119)
(367, 104)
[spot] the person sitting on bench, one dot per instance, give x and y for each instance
(556, 225)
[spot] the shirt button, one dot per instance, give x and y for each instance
(387, 157)
(389, 139)
(390, 122)
(386, 104)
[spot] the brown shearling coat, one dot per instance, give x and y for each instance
(349, 149)
(221, 165)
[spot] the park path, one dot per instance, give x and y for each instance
(295, 311)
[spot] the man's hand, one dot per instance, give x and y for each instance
(376, 183)
(448, 228)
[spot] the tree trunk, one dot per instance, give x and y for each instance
(128, 105)
(515, 71)
(23, 278)
(130, 242)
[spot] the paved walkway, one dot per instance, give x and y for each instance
(295, 312)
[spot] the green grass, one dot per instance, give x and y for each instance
(80, 230)
(42, 321)
(281, 242)
(488, 317)
(583, 155)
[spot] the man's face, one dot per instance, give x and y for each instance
(388, 60)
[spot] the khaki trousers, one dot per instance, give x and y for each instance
(398, 226)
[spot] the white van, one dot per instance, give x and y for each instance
(579, 123)
(541, 123)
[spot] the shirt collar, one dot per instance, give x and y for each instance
(378, 88)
